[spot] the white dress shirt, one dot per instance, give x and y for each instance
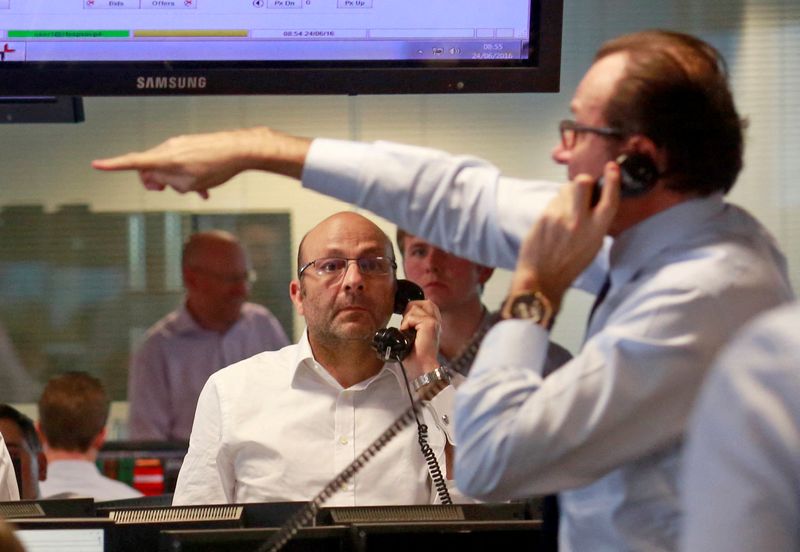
(82, 478)
(173, 363)
(279, 427)
(8, 481)
(609, 424)
(742, 468)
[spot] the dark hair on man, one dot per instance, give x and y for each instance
(73, 410)
(25, 425)
(400, 237)
(675, 91)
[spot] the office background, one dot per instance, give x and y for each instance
(115, 268)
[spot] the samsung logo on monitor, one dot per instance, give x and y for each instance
(171, 83)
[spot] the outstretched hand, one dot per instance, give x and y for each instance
(567, 236)
(199, 162)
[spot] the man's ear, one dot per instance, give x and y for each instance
(639, 143)
(296, 294)
(99, 439)
(42, 439)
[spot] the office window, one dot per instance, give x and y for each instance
(78, 289)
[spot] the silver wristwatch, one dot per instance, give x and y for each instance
(439, 375)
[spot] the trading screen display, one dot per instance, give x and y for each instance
(256, 30)
(62, 540)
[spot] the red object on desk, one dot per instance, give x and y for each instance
(148, 476)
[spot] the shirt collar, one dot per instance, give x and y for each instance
(305, 362)
(639, 245)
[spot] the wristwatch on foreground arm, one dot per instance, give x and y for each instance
(528, 305)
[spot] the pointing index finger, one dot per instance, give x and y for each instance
(129, 161)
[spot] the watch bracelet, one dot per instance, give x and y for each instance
(440, 374)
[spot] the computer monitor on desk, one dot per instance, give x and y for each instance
(59, 534)
(422, 536)
(309, 539)
(48, 507)
(138, 529)
(435, 536)
(426, 512)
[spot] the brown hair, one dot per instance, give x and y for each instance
(400, 237)
(73, 410)
(25, 425)
(675, 91)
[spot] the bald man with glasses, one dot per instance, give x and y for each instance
(215, 327)
(280, 425)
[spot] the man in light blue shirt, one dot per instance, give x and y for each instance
(677, 270)
(742, 469)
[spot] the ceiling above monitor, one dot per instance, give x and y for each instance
(155, 47)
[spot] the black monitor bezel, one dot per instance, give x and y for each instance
(540, 73)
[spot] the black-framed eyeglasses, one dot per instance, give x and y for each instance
(330, 267)
(569, 132)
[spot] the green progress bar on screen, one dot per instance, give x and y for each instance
(69, 34)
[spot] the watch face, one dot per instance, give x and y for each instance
(528, 307)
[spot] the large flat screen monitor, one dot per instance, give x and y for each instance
(134, 47)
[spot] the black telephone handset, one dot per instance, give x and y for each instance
(391, 343)
(638, 174)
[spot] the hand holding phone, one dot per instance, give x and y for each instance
(392, 343)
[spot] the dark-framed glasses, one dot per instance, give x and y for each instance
(569, 131)
(330, 267)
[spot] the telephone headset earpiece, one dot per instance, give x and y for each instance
(638, 174)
